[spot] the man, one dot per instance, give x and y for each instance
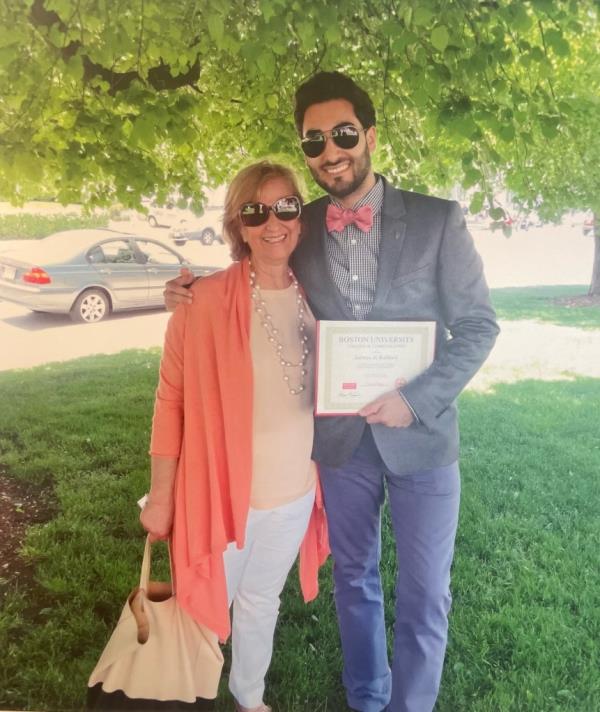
(373, 252)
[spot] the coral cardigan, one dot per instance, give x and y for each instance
(203, 417)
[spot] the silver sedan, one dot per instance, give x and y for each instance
(90, 273)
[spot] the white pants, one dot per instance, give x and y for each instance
(255, 577)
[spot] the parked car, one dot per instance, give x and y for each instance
(506, 224)
(530, 220)
(206, 229)
(90, 273)
(589, 224)
(165, 215)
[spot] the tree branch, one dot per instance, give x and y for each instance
(159, 78)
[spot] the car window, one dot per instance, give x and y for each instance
(157, 254)
(96, 255)
(112, 252)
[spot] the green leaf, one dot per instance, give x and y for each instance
(561, 47)
(472, 176)
(391, 28)
(280, 46)
(440, 38)
(266, 63)
(432, 86)
(545, 69)
(558, 43)
(333, 33)
(521, 21)
(476, 204)
(216, 28)
(74, 68)
(537, 54)
(497, 213)
(400, 43)
(546, 6)
(420, 97)
(465, 126)
(549, 130)
(63, 8)
(507, 132)
(393, 104)
(306, 33)
(422, 16)
(144, 130)
(267, 10)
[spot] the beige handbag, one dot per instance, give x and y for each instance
(158, 657)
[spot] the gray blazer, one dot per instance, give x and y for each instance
(428, 269)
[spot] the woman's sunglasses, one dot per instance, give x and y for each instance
(254, 214)
(313, 144)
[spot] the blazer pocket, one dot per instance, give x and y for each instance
(410, 276)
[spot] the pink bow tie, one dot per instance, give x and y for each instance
(339, 218)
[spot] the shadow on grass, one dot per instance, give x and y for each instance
(526, 614)
(555, 304)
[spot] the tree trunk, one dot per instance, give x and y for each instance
(595, 284)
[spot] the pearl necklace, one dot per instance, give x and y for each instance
(272, 331)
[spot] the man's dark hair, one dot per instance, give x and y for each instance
(326, 86)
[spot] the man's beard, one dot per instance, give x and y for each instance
(340, 188)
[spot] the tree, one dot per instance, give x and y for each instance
(105, 100)
(558, 168)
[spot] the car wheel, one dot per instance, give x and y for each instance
(152, 221)
(90, 306)
(207, 237)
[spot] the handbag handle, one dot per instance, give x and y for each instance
(146, 560)
(140, 594)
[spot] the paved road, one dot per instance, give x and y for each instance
(28, 339)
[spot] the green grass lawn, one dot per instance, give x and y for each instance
(539, 304)
(525, 622)
(30, 226)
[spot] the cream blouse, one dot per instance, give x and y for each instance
(282, 423)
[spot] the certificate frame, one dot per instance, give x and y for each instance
(357, 361)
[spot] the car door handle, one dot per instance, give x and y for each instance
(105, 271)
(152, 270)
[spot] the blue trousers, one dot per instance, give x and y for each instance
(424, 511)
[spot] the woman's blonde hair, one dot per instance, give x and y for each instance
(244, 188)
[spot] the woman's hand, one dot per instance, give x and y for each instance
(157, 515)
(157, 518)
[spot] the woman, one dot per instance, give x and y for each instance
(232, 479)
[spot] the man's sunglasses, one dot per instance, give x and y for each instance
(347, 136)
(254, 214)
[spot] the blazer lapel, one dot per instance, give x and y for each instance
(321, 291)
(393, 233)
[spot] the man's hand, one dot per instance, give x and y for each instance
(176, 290)
(389, 409)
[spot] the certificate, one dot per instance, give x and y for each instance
(358, 361)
